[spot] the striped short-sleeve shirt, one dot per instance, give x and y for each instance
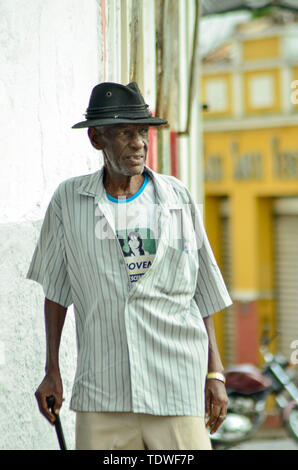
(142, 346)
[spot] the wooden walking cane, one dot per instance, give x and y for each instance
(58, 427)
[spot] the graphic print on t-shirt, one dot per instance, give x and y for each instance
(139, 248)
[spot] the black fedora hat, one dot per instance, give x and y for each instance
(112, 103)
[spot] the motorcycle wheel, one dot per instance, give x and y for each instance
(292, 423)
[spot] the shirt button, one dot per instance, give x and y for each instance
(121, 261)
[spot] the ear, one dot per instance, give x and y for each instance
(95, 138)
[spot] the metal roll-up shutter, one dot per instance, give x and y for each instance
(286, 271)
(226, 269)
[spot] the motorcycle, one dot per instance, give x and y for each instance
(248, 389)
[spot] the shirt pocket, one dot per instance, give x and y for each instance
(178, 271)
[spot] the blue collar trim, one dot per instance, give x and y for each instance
(138, 193)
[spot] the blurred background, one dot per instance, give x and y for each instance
(223, 73)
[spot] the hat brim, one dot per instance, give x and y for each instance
(153, 121)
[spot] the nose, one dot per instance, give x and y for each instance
(137, 141)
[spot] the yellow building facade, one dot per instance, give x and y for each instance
(250, 131)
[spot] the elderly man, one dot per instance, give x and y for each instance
(148, 367)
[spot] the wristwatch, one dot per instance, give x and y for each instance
(217, 376)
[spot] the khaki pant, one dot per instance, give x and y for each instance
(137, 431)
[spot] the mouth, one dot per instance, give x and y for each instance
(135, 159)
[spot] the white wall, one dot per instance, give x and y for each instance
(51, 57)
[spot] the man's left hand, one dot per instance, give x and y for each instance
(216, 402)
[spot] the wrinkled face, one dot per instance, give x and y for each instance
(125, 147)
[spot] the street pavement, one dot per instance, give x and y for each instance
(268, 444)
(270, 439)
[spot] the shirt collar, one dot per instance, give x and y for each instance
(92, 185)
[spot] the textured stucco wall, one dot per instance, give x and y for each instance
(51, 57)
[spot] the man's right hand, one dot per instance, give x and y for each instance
(51, 385)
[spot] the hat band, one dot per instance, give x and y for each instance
(130, 112)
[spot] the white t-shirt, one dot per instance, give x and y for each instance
(136, 229)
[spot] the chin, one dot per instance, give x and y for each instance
(136, 170)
